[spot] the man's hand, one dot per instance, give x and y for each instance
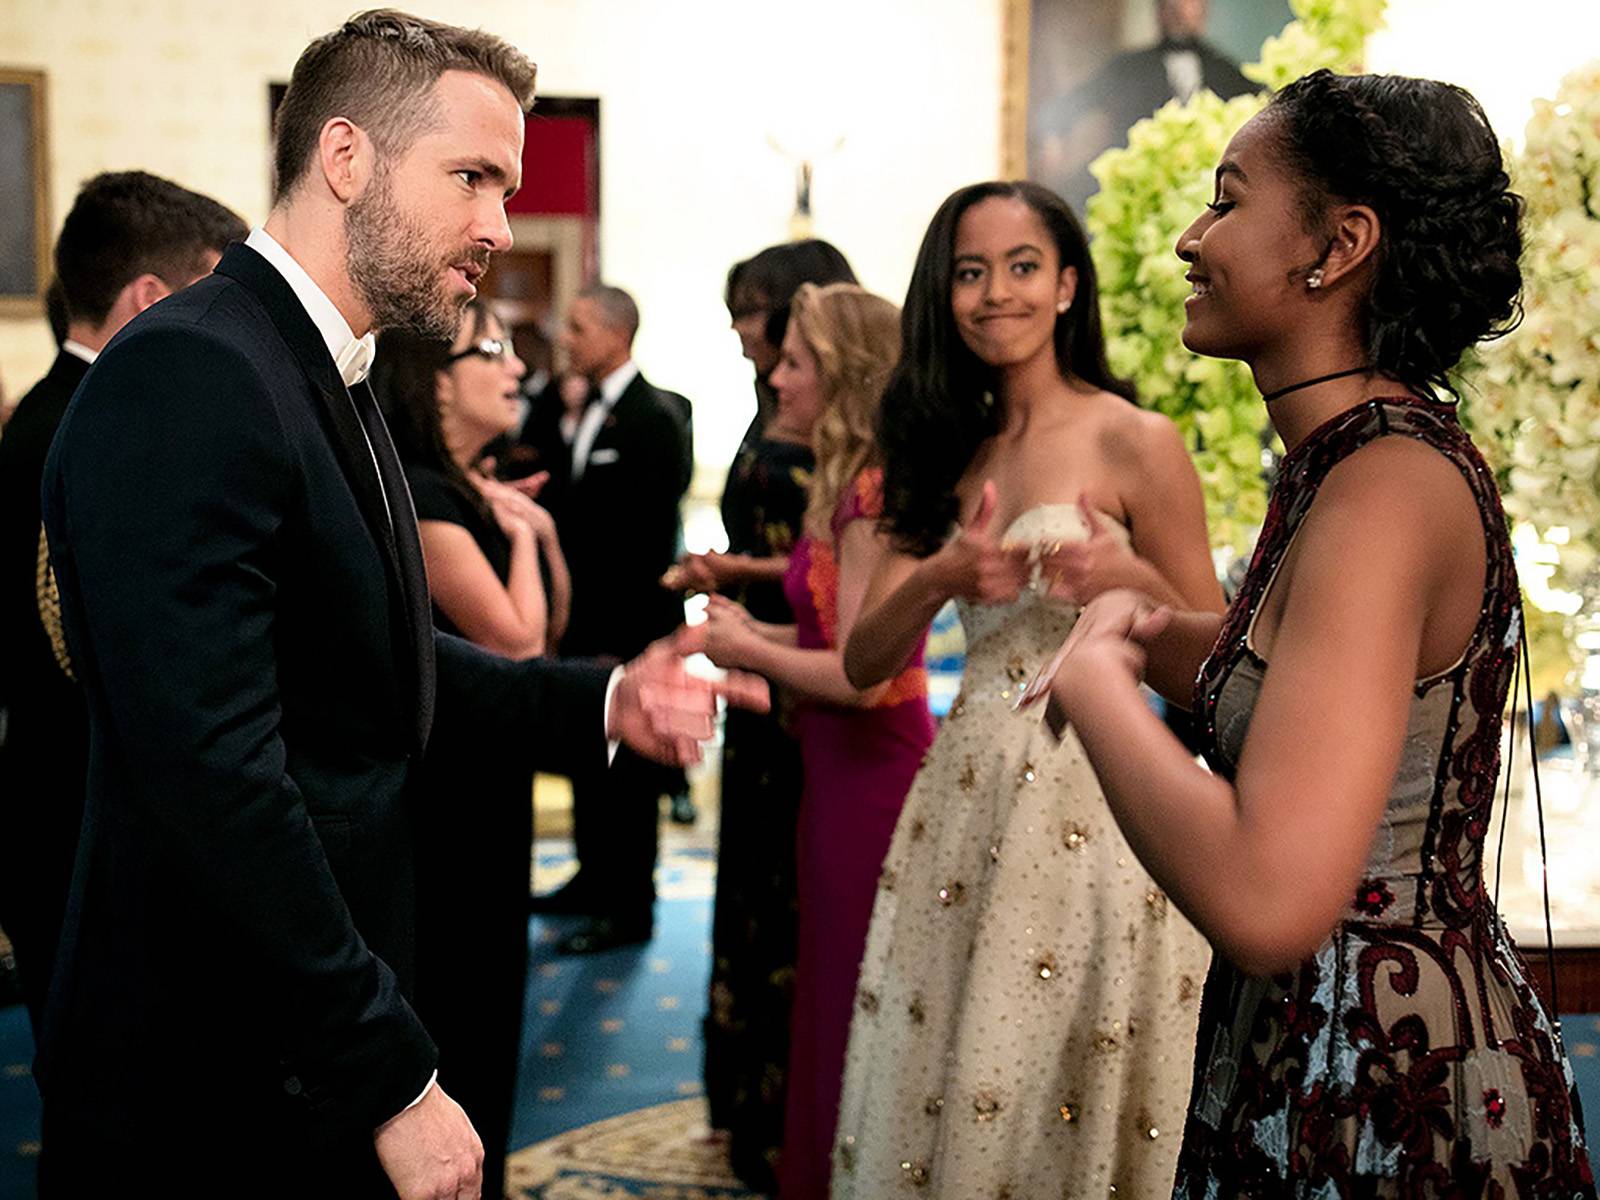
(431, 1152)
(661, 711)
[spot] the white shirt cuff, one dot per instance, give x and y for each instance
(611, 688)
(421, 1096)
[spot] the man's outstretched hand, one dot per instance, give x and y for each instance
(661, 711)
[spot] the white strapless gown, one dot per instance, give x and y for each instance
(1026, 1015)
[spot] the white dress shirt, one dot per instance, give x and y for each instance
(79, 350)
(351, 355)
(611, 389)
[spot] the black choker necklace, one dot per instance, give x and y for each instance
(1295, 387)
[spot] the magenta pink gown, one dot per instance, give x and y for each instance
(859, 763)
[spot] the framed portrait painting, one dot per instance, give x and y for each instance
(24, 193)
(1079, 73)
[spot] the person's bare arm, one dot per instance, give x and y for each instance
(816, 673)
(508, 618)
(560, 580)
(1325, 738)
(1167, 556)
(1175, 655)
(1167, 519)
(715, 571)
(906, 593)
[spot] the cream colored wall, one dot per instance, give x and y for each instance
(1505, 61)
(690, 92)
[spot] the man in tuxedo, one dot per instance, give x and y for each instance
(616, 509)
(130, 239)
(243, 598)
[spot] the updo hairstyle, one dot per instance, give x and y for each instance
(1421, 154)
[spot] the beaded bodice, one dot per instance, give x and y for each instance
(1424, 864)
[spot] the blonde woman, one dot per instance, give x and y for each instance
(860, 747)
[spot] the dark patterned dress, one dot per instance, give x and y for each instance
(753, 931)
(1409, 1057)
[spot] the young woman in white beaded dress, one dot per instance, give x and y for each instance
(1026, 1012)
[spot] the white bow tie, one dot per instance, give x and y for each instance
(355, 360)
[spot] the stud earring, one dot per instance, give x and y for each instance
(1314, 280)
(1063, 306)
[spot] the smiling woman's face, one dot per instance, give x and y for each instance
(1249, 253)
(1008, 284)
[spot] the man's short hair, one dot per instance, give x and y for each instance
(616, 307)
(55, 310)
(377, 70)
(125, 224)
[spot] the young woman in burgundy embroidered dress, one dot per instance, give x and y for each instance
(860, 747)
(1367, 1029)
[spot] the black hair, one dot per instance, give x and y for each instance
(55, 310)
(768, 280)
(404, 381)
(125, 224)
(938, 406)
(1421, 154)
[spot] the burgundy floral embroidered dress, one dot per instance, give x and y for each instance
(1409, 1057)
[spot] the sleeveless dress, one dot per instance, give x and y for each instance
(859, 763)
(753, 926)
(1025, 1020)
(1409, 1057)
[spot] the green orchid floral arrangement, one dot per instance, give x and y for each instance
(1149, 193)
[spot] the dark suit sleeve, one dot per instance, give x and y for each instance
(166, 502)
(546, 713)
(664, 459)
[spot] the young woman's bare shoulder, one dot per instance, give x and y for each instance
(1137, 438)
(1400, 489)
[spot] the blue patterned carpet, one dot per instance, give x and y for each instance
(609, 1102)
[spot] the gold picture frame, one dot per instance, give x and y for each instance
(24, 193)
(1016, 18)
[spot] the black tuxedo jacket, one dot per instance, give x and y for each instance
(28, 670)
(619, 525)
(252, 633)
(42, 760)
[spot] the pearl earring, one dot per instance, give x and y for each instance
(1063, 306)
(1314, 280)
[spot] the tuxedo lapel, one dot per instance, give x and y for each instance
(406, 544)
(362, 448)
(614, 427)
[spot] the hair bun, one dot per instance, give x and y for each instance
(1422, 155)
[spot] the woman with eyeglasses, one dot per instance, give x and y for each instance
(497, 578)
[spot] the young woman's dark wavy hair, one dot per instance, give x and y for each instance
(1421, 154)
(404, 382)
(938, 405)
